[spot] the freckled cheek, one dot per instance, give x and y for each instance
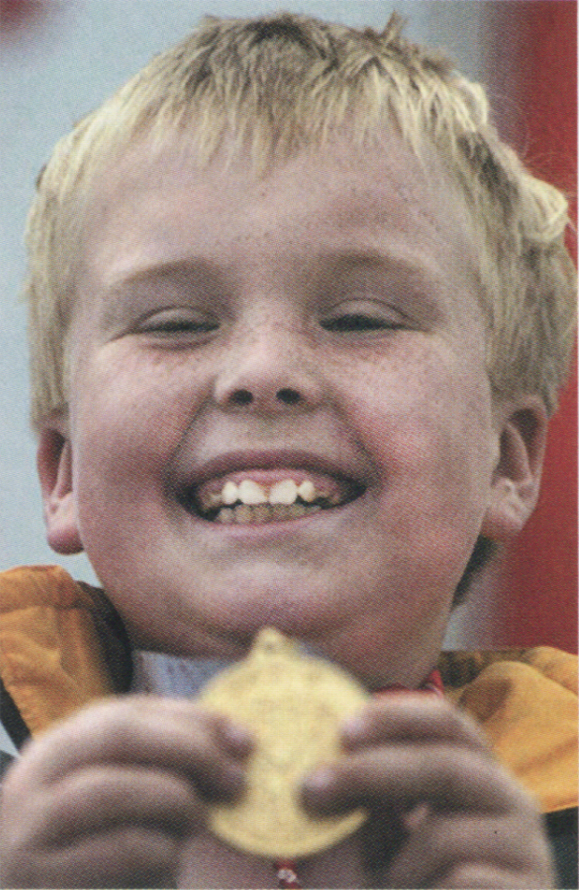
(127, 430)
(135, 405)
(427, 433)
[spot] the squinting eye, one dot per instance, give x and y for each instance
(167, 323)
(354, 321)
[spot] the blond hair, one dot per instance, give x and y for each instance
(280, 83)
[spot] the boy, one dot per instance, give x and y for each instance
(298, 321)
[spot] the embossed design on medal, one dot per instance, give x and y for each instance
(294, 705)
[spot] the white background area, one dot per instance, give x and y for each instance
(58, 71)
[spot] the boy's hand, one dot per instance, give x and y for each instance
(418, 764)
(106, 798)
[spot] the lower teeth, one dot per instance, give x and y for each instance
(261, 513)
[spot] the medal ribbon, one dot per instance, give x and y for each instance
(286, 868)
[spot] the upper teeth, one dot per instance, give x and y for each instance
(252, 493)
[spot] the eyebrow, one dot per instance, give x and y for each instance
(398, 262)
(414, 272)
(187, 269)
(203, 270)
(181, 274)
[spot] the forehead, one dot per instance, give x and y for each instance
(338, 200)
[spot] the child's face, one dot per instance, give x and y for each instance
(319, 324)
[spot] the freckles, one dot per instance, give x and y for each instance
(143, 394)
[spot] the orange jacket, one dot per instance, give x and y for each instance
(63, 646)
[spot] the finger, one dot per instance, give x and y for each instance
(98, 798)
(442, 845)
(448, 778)
(125, 857)
(167, 734)
(411, 718)
(486, 877)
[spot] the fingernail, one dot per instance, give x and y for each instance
(238, 738)
(320, 781)
(354, 731)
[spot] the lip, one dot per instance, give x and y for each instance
(237, 461)
(293, 460)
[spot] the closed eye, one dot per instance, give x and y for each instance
(171, 322)
(358, 322)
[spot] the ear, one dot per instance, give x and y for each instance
(517, 475)
(54, 463)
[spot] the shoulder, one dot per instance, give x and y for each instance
(461, 667)
(526, 702)
(62, 645)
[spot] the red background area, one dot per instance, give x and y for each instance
(16, 14)
(539, 603)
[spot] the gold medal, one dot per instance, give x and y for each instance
(294, 705)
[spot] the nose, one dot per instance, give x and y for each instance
(267, 371)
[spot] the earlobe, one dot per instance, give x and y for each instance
(517, 476)
(54, 463)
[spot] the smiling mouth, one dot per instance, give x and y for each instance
(257, 497)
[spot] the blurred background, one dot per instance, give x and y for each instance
(60, 58)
